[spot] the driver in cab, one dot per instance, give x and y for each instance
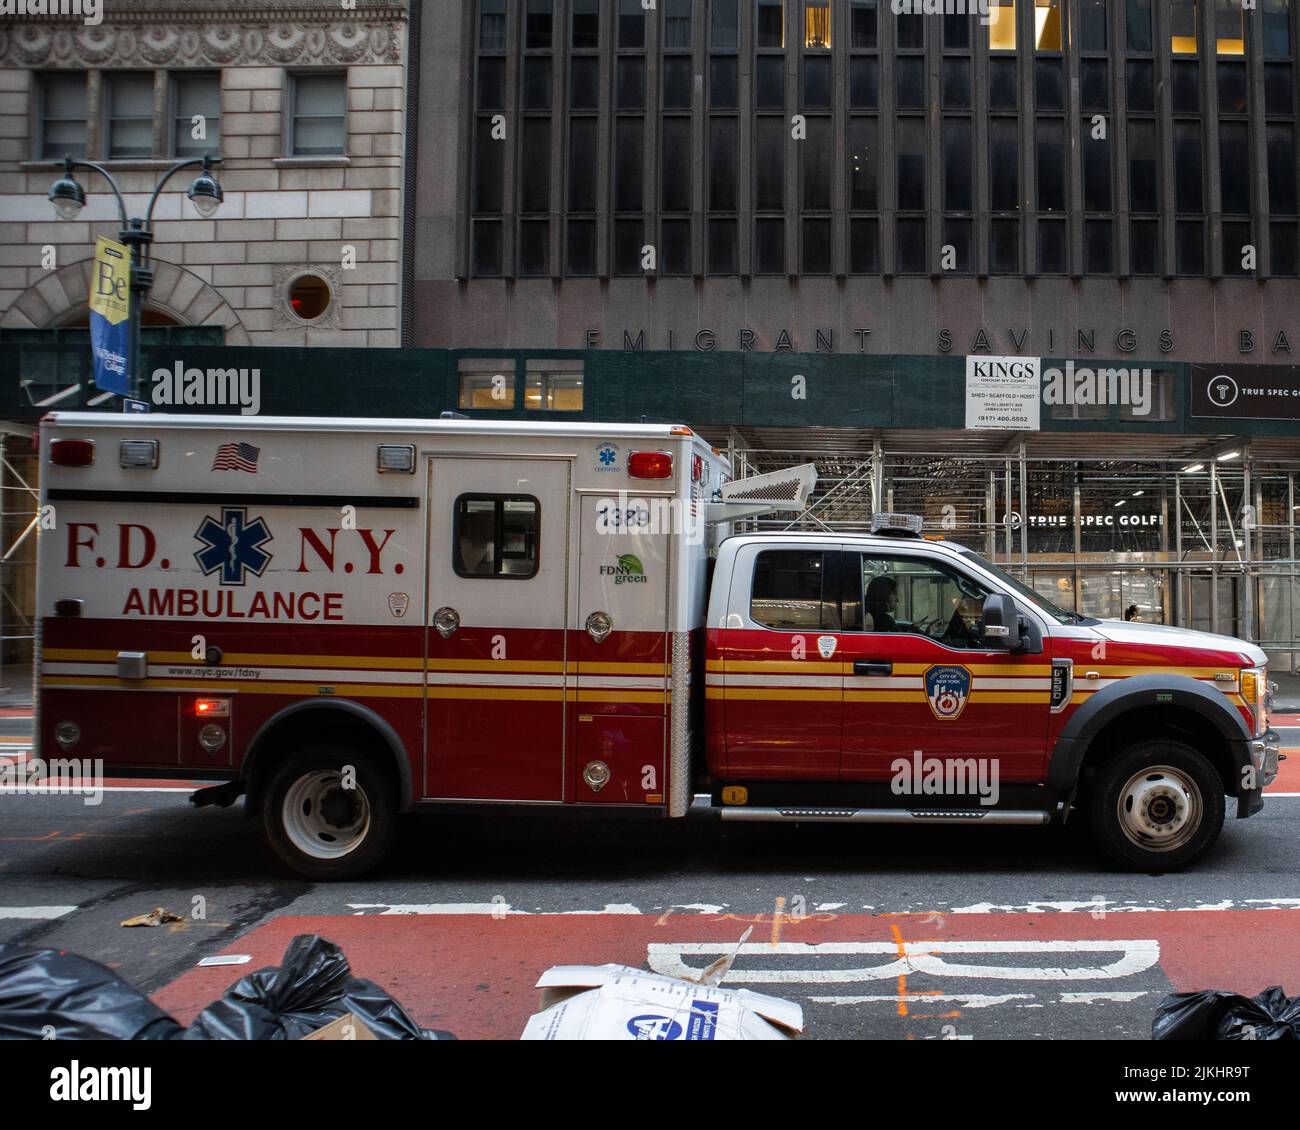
(964, 629)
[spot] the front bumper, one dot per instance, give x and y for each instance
(1264, 756)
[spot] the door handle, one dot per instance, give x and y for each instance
(873, 667)
(446, 620)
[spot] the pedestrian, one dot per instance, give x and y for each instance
(1131, 612)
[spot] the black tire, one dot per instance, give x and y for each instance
(1171, 814)
(330, 832)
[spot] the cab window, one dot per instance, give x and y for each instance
(919, 596)
(793, 591)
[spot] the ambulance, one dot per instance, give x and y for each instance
(347, 620)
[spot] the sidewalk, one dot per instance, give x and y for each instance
(16, 685)
(1287, 698)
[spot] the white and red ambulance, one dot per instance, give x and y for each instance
(344, 620)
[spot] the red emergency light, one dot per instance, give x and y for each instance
(650, 465)
(72, 452)
(212, 707)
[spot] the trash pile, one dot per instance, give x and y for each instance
(617, 1002)
(1217, 1015)
(312, 995)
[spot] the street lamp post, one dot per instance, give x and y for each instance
(68, 198)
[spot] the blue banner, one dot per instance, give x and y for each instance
(110, 312)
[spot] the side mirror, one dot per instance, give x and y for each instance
(1001, 622)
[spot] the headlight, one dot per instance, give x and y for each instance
(1254, 690)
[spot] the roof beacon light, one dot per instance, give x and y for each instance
(906, 525)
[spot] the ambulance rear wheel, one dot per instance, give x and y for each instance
(330, 813)
(1158, 806)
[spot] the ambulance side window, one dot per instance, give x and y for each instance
(496, 535)
(793, 591)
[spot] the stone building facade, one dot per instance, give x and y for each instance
(308, 102)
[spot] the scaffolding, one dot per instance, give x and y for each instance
(19, 520)
(1204, 538)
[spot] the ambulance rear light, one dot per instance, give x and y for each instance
(72, 452)
(139, 453)
(697, 468)
(212, 707)
(680, 430)
(396, 459)
(650, 465)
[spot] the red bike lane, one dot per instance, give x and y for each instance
(474, 974)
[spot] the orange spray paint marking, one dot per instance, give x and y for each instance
(777, 916)
(663, 918)
(902, 977)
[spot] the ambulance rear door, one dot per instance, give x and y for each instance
(620, 634)
(496, 609)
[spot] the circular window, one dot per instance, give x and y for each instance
(309, 297)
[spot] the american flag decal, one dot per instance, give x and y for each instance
(236, 457)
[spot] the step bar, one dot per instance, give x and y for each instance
(794, 815)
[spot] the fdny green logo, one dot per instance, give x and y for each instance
(628, 570)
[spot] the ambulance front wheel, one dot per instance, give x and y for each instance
(330, 813)
(1157, 806)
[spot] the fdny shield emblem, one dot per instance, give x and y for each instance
(946, 690)
(826, 646)
(398, 603)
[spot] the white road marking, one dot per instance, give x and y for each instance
(43, 912)
(1100, 907)
(1093, 998)
(491, 909)
(966, 1000)
(1136, 956)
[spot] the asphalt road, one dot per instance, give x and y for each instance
(878, 932)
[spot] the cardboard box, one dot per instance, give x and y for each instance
(617, 1002)
(347, 1027)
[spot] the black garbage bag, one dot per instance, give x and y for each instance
(55, 993)
(313, 986)
(1270, 1016)
(1217, 1015)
